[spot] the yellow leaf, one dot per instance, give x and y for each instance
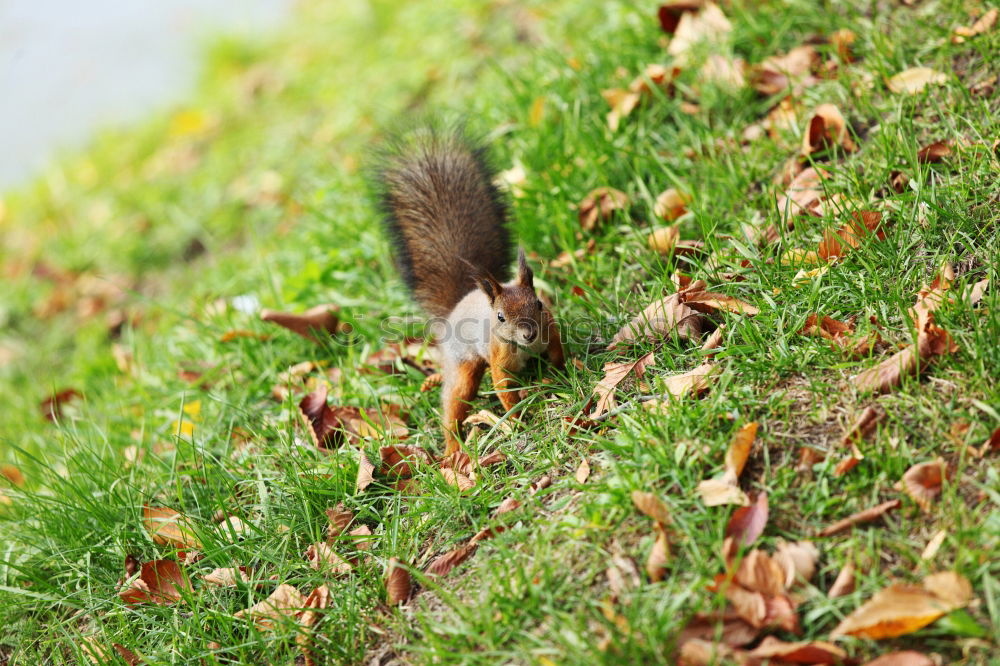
(537, 112)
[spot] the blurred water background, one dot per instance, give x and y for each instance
(70, 67)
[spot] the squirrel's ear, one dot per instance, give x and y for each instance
(486, 282)
(525, 277)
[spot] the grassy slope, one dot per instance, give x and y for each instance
(537, 590)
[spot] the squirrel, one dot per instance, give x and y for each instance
(448, 223)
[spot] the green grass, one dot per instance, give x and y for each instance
(137, 206)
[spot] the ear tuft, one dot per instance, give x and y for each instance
(486, 282)
(524, 275)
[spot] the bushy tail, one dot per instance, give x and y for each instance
(439, 204)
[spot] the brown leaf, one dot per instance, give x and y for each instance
(160, 582)
(659, 556)
(812, 652)
(366, 472)
(723, 71)
(865, 424)
(318, 319)
(600, 205)
(167, 526)
(583, 471)
(399, 460)
(798, 560)
(915, 79)
(397, 583)
(660, 319)
(489, 420)
(934, 152)
(759, 572)
(566, 258)
(317, 600)
(443, 564)
(888, 374)
(664, 239)
(923, 482)
(651, 505)
(714, 341)
(284, 602)
(723, 490)
(851, 235)
(826, 129)
(506, 506)
(614, 374)
(932, 297)
(670, 13)
(541, 483)
(842, 40)
(52, 406)
(984, 24)
(844, 583)
(707, 24)
(902, 609)
(709, 302)
(748, 522)
(329, 427)
(12, 474)
(693, 382)
(903, 658)
(865, 516)
(803, 195)
(457, 479)
(226, 577)
(671, 204)
(339, 518)
(699, 652)
(731, 629)
(322, 556)
(778, 73)
(978, 291)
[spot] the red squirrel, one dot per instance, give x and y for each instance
(448, 223)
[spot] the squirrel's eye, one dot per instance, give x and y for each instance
(500, 316)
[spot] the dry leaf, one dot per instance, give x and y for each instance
(671, 204)
(932, 297)
(659, 556)
(748, 522)
(803, 195)
(457, 479)
(723, 490)
(915, 79)
(932, 547)
(329, 427)
(865, 424)
(160, 582)
(319, 319)
(778, 73)
(317, 600)
(707, 24)
(489, 420)
(851, 235)
(397, 583)
(600, 204)
(934, 152)
(984, 24)
(53, 405)
(923, 482)
(699, 652)
(798, 560)
(400, 460)
(660, 318)
(932, 341)
(541, 483)
(432, 380)
(366, 472)
(284, 602)
(723, 71)
(709, 302)
(731, 629)
(670, 13)
(614, 374)
(167, 526)
(812, 652)
(566, 258)
(865, 516)
(226, 577)
(443, 565)
(903, 658)
(841, 41)
(12, 474)
(844, 583)
(664, 239)
(826, 128)
(902, 609)
(651, 505)
(693, 382)
(506, 506)
(583, 471)
(322, 556)
(714, 341)
(340, 517)
(978, 291)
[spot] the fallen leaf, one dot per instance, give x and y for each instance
(865, 516)
(803, 196)
(489, 420)
(811, 652)
(983, 25)
(397, 583)
(851, 235)
(728, 626)
(844, 583)
(12, 474)
(317, 600)
(915, 79)
(934, 152)
(160, 582)
(284, 602)
(670, 13)
(664, 239)
(933, 545)
(693, 382)
(322, 557)
(226, 577)
(509, 504)
(318, 319)
(457, 479)
(978, 291)
(400, 460)
(798, 560)
(624, 100)
(432, 380)
(167, 526)
(671, 204)
(779, 73)
(622, 574)
(600, 204)
(714, 341)
(863, 426)
(748, 522)
(723, 71)
(932, 341)
(660, 319)
(826, 129)
(903, 658)
(842, 40)
(923, 482)
(699, 652)
(902, 609)
(708, 24)
(614, 374)
(723, 490)
(659, 556)
(366, 472)
(932, 297)
(339, 518)
(443, 564)
(583, 471)
(710, 302)
(329, 427)
(541, 483)
(651, 505)
(566, 258)
(53, 405)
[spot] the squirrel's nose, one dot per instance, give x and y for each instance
(529, 333)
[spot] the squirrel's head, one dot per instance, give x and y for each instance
(517, 315)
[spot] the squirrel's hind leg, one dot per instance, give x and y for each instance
(460, 387)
